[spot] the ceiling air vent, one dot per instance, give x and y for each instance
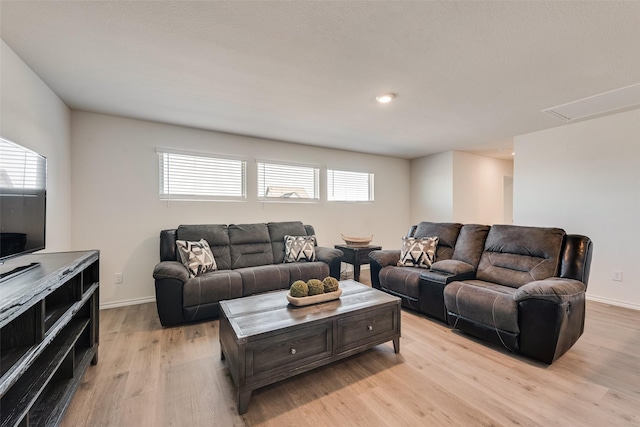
(617, 100)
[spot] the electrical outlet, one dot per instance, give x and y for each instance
(616, 275)
(118, 278)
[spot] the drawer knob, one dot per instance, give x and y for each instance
(370, 328)
(293, 351)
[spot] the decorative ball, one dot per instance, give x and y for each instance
(299, 289)
(330, 284)
(315, 287)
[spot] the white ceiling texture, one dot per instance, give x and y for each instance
(468, 75)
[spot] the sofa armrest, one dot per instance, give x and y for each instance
(453, 267)
(170, 277)
(171, 270)
(433, 282)
(554, 289)
(555, 306)
(380, 259)
(385, 257)
(333, 257)
(327, 254)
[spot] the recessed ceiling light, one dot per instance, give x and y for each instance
(385, 97)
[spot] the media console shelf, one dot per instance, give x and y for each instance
(49, 319)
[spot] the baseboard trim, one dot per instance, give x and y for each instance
(145, 300)
(125, 303)
(613, 302)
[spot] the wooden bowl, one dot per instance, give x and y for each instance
(357, 242)
(314, 299)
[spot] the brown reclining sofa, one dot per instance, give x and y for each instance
(520, 287)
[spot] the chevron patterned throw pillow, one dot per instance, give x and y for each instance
(299, 248)
(418, 252)
(196, 256)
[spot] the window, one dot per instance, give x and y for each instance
(189, 176)
(20, 168)
(286, 181)
(345, 186)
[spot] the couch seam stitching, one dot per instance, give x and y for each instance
(199, 299)
(534, 267)
(495, 326)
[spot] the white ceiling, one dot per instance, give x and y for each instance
(468, 75)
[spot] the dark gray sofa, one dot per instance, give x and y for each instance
(249, 260)
(520, 287)
(457, 256)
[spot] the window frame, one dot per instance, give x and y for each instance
(163, 195)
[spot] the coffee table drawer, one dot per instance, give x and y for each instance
(363, 329)
(289, 350)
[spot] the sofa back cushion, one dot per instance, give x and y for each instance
(470, 244)
(447, 234)
(250, 245)
(514, 256)
(277, 231)
(310, 231)
(217, 235)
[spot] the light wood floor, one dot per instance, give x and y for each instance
(151, 376)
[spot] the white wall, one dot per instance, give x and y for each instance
(116, 207)
(458, 187)
(478, 188)
(508, 197)
(585, 178)
(432, 188)
(33, 116)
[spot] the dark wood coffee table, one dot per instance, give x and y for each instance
(265, 340)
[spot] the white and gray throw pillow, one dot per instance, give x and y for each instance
(299, 248)
(196, 256)
(418, 252)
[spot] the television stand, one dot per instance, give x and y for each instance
(48, 335)
(6, 275)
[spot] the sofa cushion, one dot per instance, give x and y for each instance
(403, 281)
(263, 278)
(418, 252)
(515, 255)
(217, 235)
(196, 256)
(470, 244)
(211, 287)
(305, 270)
(447, 234)
(277, 231)
(250, 245)
(486, 303)
(299, 248)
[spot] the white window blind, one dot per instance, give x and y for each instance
(189, 176)
(20, 168)
(346, 186)
(286, 181)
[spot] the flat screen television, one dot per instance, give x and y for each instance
(23, 199)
